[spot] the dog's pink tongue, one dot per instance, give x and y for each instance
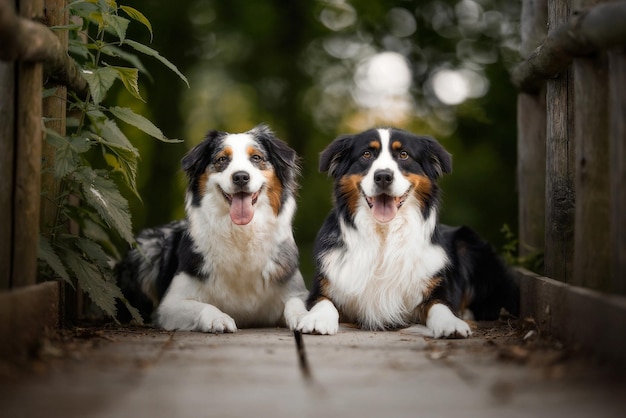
(241, 211)
(384, 208)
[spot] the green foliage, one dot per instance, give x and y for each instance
(96, 158)
(533, 261)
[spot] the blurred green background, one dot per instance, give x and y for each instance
(315, 69)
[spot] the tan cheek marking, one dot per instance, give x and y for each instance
(202, 181)
(274, 190)
(422, 187)
(349, 190)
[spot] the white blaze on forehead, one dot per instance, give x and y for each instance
(239, 145)
(385, 161)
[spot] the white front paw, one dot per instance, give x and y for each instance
(213, 320)
(323, 319)
(445, 324)
(294, 312)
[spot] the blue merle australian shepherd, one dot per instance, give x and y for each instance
(382, 259)
(233, 261)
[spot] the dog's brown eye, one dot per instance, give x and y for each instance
(404, 155)
(221, 160)
(367, 155)
(256, 158)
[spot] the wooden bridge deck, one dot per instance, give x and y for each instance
(505, 369)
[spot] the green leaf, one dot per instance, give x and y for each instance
(152, 53)
(98, 19)
(116, 24)
(112, 134)
(65, 157)
(46, 253)
(72, 26)
(113, 51)
(102, 194)
(100, 81)
(127, 115)
(103, 293)
(78, 49)
(93, 251)
(123, 156)
(130, 78)
(139, 17)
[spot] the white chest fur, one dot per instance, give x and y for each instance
(381, 273)
(242, 262)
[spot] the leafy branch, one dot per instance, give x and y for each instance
(95, 157)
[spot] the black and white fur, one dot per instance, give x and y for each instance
(382, 259)
(233, 261)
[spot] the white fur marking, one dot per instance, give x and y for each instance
(382, 272)
(385, 161)
(294, 312)
(181, 310)
(445, 324)
(323, 319)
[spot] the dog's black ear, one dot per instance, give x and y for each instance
(332, 155)
(282, 157)
(439, 160)
(196, 160)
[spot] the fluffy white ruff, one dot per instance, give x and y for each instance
(382, 272)
(444, 323)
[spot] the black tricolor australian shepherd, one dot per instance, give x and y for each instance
(382, 259)
(233, 261)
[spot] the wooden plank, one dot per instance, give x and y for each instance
(26, 315)
(560, 192)
(531, 139)
(582, 318)
(28, 162)
(591, 247)
(617, 146)
(7, 144)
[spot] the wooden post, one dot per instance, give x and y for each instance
(54, 110)
(7, 157)
(531, 142)
(617, 161)
(27, 161)
(592, 252)
(560, 193)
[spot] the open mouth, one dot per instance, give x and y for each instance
(385, 207)
(241, 206)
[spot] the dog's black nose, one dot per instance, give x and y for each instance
(241, 178)
(383, 178)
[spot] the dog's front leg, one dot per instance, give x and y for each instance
(181, 309)
(294, 312)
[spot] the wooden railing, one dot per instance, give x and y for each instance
(572, 140)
